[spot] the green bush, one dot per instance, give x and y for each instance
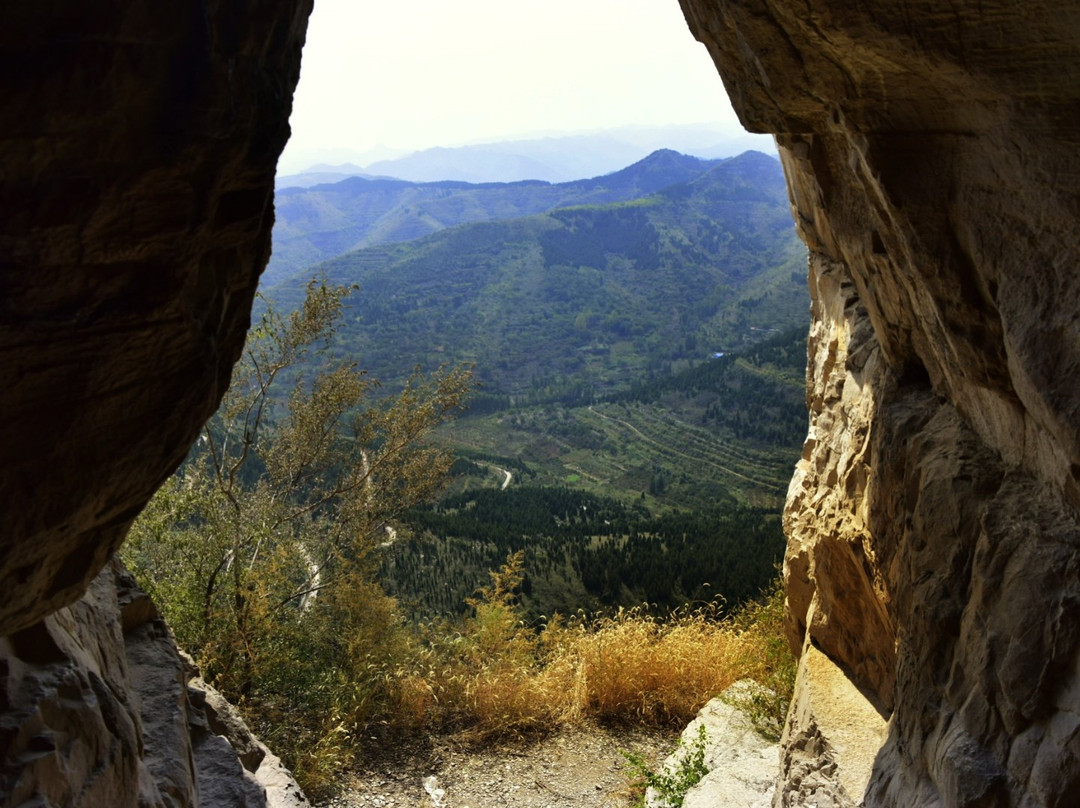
(670, 785)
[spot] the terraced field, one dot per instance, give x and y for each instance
(631, 452)
(695, 449)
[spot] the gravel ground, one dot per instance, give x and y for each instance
(581, 767)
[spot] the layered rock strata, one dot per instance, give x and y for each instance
(137, 157)
(100, 708)
(931, 152)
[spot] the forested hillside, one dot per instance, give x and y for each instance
(640, 353)
(321, 222)
(584, 298)
(581, 551)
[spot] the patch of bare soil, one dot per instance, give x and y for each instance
(580, 767)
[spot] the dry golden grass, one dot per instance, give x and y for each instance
(637, 668)
(498, 677)
(492, 676)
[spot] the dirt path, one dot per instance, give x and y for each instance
(576, 768)
(506, 479)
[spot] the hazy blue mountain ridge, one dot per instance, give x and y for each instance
(594, 322)
(564, 157)
(323, 221)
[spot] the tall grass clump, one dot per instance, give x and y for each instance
(637, 667)
(496, 676)
(486, 674)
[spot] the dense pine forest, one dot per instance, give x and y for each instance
(582, 552)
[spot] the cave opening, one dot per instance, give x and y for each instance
(162, 225)
(473, 69)
(569, 111)
(140, 142)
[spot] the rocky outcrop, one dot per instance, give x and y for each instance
(137, 157)
(740, 762)
(932, 159)
(831, 740)
(100, 708)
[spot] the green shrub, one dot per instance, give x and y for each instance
(670, 785)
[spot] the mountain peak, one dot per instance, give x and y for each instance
(664, 154)
(658, 170)
(670, 157)
(752, 175)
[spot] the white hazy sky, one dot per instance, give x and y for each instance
(411, 75)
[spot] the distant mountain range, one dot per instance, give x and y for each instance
(551, 159)
(321, 222)
(639, 340)
(672, 257)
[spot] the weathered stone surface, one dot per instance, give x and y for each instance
(137, 157)
(932, 159)
(212, 713)
(96, 712)
(832, 737)
(278, 784)
(741, 763)
(159, 679)
(831, 556)
(69, 720)
(221, 718)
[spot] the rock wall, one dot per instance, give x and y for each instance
(137, 154)
(931, 152)
(739, 762)
(99, 708)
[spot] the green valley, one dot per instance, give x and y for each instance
(665, 493)
(640, 359)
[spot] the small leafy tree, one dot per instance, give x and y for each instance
(496, 635)
(259, 551)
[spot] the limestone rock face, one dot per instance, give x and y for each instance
(832, 737)
(740, 762)
(99, 708)
(931, 151)
(137, 154)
